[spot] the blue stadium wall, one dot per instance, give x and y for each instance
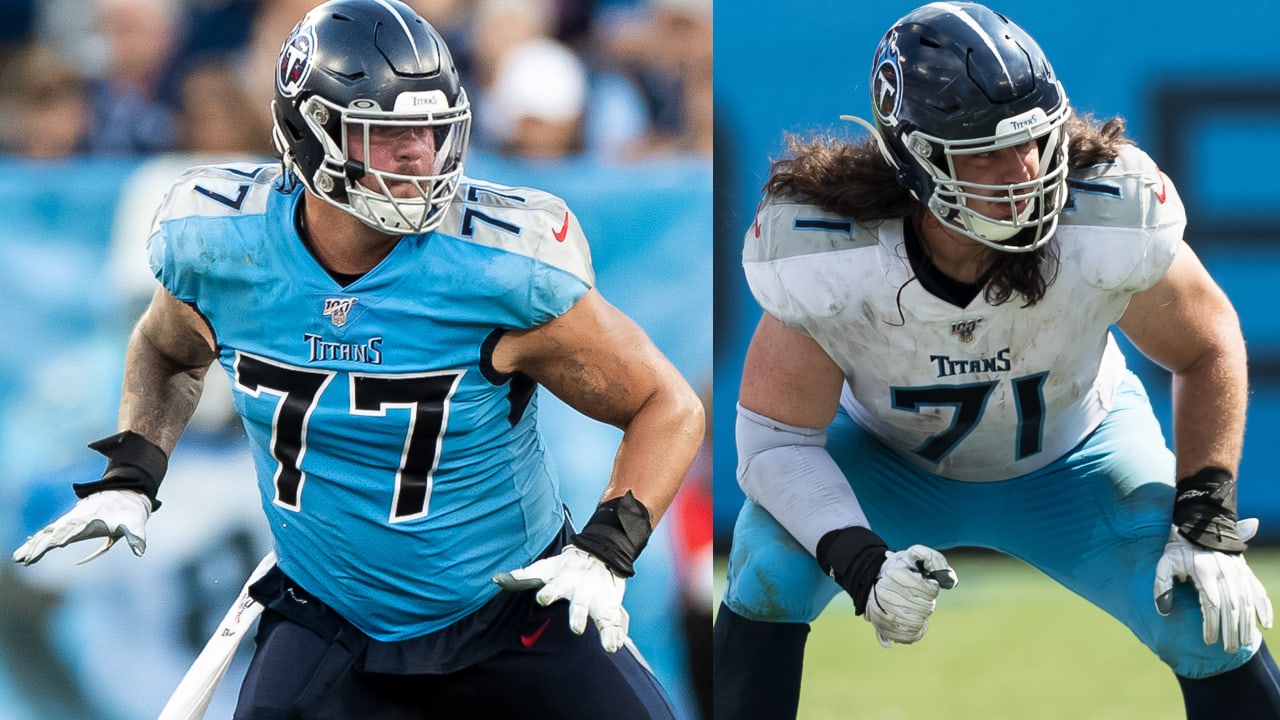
(1199, 85)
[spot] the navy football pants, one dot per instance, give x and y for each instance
(544, 671)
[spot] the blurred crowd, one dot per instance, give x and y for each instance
(610, 80)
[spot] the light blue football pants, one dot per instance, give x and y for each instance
(1096, 520)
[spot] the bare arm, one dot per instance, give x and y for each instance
(169, 352)
(787, 376)
(1187, 325)
(603, 365)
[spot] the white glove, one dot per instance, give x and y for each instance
(1231, 597)
(112, 514)
(906, 593)
(586, 582)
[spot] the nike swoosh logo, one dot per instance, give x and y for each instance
(563, 231)
(531, 638)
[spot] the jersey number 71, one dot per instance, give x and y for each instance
(969, 401)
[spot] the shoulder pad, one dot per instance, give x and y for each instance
(520, 220)
(220, 190)
(785, 228)
(1129, 192)
(797, 259)
(1123, 223)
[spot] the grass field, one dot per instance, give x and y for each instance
(1006, 643)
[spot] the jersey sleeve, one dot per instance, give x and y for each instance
(564, 272)
(165, 244)
(160, 257)
(183, 245)
(1131, 217)
(795, 258)
(547, 261)
(759, 249)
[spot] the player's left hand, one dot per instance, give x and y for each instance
(1232, 599)
(591, 588)
(110, 514)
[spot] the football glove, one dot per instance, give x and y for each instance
(906, 592)
(592, 570)
(592, 589)
(110, 514)
(1232, 599)
(895, 591)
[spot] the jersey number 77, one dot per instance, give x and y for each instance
(298, 391)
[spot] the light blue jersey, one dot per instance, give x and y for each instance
(398, 470)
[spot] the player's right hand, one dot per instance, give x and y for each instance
(110, 514)
(592, 589)
(906, 592)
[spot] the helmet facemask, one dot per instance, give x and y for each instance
(389, 201)
(955, 202)
(366, 93)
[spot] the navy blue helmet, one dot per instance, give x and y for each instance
(354, 65)
(958, 78)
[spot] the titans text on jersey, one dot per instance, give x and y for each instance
(948, 366)
(369, 351)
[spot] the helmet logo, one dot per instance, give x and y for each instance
(295, 59)
(886, 82)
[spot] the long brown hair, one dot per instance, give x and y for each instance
(854, 179)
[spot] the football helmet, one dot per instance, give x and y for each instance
(354, 68)
(953, 79)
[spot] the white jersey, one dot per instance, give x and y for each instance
(983, 392)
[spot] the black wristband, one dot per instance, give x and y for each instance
(853, 556)
(1204, 510)
(133, 463)
(616, 533)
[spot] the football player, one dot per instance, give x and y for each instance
(935, 368)
(385, 322)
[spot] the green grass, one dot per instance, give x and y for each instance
(1006, 643)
